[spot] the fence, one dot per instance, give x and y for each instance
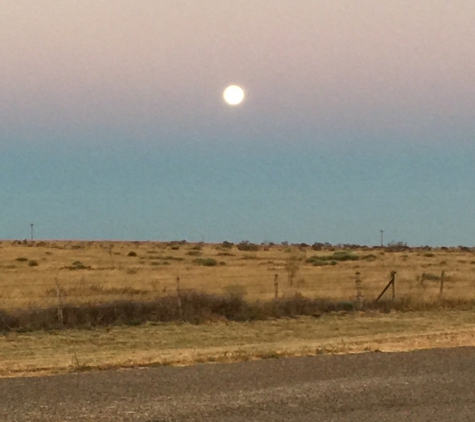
(351, 288)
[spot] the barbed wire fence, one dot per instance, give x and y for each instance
(58, 292)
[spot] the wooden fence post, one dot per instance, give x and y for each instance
(393, 282)
(359, 295)
(442, 277)
(178, 297)
(60, 304)
(276, 286)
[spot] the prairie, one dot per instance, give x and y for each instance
(34, 274)
(54, 274)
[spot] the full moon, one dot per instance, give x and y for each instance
(233, 95)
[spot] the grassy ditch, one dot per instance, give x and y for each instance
(197, 308)
(62, 351)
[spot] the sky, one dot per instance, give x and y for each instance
(358, 117)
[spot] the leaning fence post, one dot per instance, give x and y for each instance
(391, 283)
(276, 286)
(60, 305)
(359, 295)
(178, 297)
(442, 277)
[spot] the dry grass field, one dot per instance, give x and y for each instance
(32, 273)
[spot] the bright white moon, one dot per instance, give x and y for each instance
(233, 95)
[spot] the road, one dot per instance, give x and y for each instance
(435, 385)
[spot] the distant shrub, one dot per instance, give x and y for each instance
(344, 256)
(227, 245)
(77, 265)
(207, 262)
(332, 259)
(132, 253)
(247, 246)
(429, 255)
(21, 259)
(32, 263)
(397, 247)
(194, 253)
(225, 254)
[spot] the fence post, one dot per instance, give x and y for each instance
(178, 297)
(359, 295)
(393, 282)
(442, 277)
(60, 305)
(276, 286)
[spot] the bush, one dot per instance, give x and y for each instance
(21, 259)
(207, 262)
(132, 253)
(194, 253)
(247, 246)
(77, 265)
(227, 245)
(332, 259)
(32, 263)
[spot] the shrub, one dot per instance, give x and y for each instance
(344, 256)
(247, 246)
(194, 253)
(77, 265)
(207, 262)
(32, 263)
(21, 259)
(292, 266)
(132, 253)
(332, 259)
(227, 245)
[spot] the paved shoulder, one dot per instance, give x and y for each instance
(431, 385)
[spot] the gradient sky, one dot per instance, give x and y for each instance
(359, 116)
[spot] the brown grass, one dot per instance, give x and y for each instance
(101, 272)
(36, 353)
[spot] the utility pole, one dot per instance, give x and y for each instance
(32, 236)
(382, 243)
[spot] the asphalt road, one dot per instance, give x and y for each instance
(436, 385)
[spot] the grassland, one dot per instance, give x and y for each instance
(93, 272)
(54, 274)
